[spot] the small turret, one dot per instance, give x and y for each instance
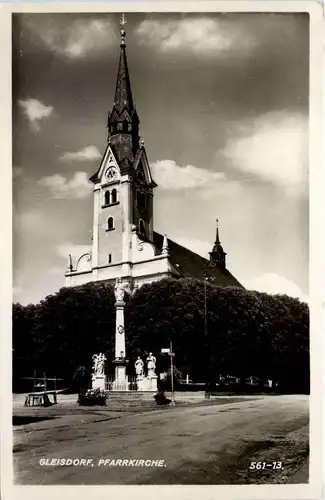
(165, 247)
(218, 256)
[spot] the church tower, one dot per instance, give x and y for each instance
(123, 186)
(124, 243)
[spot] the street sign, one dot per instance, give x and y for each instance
(167, 351)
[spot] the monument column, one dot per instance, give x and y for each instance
(121, 382)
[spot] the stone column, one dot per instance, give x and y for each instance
(119, 330)
(121, 382)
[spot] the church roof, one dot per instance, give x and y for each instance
(192, 265)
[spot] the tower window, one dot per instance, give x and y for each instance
(141, 176)
(114, 196)
(109, 258)
(141, 200)
(129, 127)
(110, 223)
(107, 197)
(120, 126)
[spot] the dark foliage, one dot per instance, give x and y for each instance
(94, 397)
(248, 333)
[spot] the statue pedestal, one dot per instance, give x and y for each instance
(121, 381)
(146, 384)
(153, 383)
(98, 382)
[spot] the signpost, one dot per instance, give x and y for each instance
(171, 354)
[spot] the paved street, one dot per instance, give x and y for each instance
(199, 443)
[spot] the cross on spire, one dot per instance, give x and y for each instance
(122, 23)
(123, 20)
(217, 232)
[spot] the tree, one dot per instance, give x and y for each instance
(71, 326)
(248, 333)
(23, 343)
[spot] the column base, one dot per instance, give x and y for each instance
(121, 381)
(98, 382)
(145, 384)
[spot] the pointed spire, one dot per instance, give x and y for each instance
(217, 233)
(165, 247)
(123, 94)
(69, 266)
(123, 121)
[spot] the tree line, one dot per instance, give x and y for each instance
(246, 333)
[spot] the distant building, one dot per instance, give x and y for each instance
(124, 242)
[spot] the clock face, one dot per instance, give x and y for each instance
(111, 173)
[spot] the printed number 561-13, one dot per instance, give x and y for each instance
(265, 465)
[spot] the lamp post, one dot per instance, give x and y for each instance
(172, 373)
(170, 352)
(207, 393)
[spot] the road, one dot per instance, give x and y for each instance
(199, 444)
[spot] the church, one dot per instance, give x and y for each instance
(124, 242)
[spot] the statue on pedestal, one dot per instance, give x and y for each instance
(139, 364)
(151, 365)
(99, 364)
(119, 290)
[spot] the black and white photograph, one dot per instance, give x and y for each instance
(162, 234)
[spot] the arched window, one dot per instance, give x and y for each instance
(107, 197)
(120, 126)
(114, 196)
(142, 229)
(110, 223)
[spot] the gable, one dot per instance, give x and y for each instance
(108, 166)
(141, 166)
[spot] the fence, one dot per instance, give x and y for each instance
(132, 383)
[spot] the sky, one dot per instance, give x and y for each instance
(223, 107)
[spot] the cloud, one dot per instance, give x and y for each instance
(61, 188)
(35, 111)
(273, 147)
(274, 284)
(76, 39)
(66, 249)
(201, 36)
(169, 175)
(85, 154)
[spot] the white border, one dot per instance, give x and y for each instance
(313, 490)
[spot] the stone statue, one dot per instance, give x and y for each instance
(99, 363)
(139, 367)
(151, 364)
(119, 290)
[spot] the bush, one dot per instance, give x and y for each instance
(93, 397)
